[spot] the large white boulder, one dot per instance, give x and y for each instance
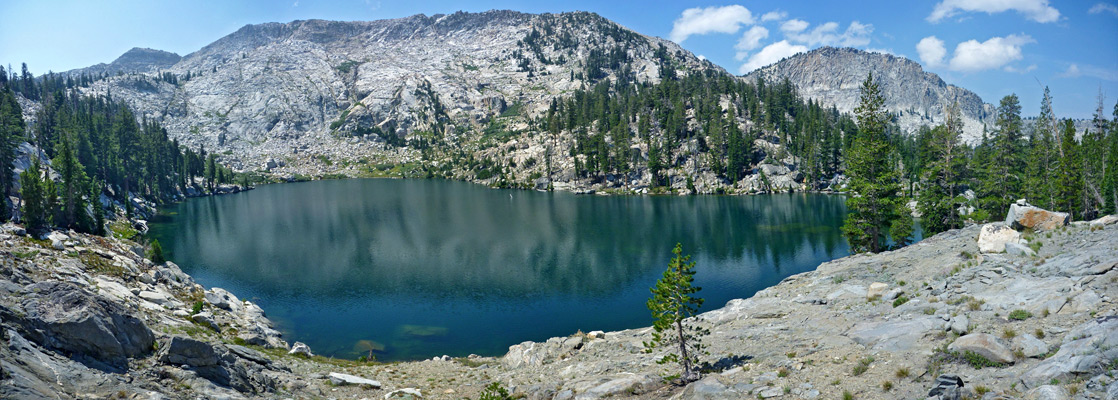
(994, 236)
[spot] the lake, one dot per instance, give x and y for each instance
(420, 268)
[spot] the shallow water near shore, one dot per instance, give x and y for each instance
(410, 269)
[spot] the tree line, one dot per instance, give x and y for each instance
(1051, 165)
(97, 147)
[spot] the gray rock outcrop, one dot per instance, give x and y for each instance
(65, 317)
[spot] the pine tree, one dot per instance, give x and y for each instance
(1095, 152)
(1002, 181)
(73, 186)
(31, 194)
(673, 302)
(938, 202)
(874, 208)
(1110, 179)
(211, 172)
(98, 210)
(1069, 174)
(1040, 183)
(11, 131)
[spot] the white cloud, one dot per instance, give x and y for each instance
(1010, 68)
(856, 35)
(775, 15)
(771, 54)
(1072, 72)
(793, 26)
(931, 51)
(971, 56)
(750, 40)
(1036, 10)
(883, 51)
(1099, 8)
(1090, 71)
(699, 21)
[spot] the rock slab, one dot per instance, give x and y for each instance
(340, 379)
(985, 345)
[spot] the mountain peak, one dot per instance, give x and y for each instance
(833, 77)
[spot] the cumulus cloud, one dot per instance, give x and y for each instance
(775, 15)
(1095, 9)
(771, 54)
(972, 55)
(931, 51)
(1090, 71)
(793, 26)
(750, 40)
(700, 21)
(1036, 10)
(827, 34)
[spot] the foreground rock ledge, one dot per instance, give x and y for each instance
(1044, 324)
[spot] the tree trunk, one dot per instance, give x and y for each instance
(688, 373)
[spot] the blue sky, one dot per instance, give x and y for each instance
(993, 47)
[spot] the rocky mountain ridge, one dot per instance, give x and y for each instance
(346, 89)
(833, 77)
(137, 60)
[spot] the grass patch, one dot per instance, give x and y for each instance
(25, 254)
(123, 230)
(903, 372)
(862, 366)
(100, 264)
(1009, 333)
(977, 361)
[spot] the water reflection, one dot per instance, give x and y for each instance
(411, 269)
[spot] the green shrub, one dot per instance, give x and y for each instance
(978, 361)
(1019, 315)
(197, 308)
(495, 392)
(155, 254)
(899, 301)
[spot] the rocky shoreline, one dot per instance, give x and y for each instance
(90, 317)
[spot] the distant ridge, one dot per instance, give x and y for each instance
(832, 76)
(136, 60)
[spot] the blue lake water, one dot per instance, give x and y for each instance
(420, 268)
